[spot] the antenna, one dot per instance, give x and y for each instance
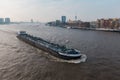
(76, 17)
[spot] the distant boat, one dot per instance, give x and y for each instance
(68, 27)
(53, 49)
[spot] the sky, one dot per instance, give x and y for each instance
(50, 10)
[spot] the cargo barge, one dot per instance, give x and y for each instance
(54, 49)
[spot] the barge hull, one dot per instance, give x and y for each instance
(52, 52)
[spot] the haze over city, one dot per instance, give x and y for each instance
(48, 10)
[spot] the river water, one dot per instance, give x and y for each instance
(20, 61)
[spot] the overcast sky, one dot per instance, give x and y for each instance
(48, 10)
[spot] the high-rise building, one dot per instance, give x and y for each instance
(7, 20)
(63, 19)
(1, 20)
(57, 22)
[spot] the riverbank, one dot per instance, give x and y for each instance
(95, 29)
(101, 29)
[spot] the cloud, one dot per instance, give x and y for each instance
(45, 10)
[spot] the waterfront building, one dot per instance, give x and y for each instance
(63, 19)
(7, 20)
(116, 23)
(93, 24)
(52, 23)
(112, 23)
(58, 22)
(78, 24)
(98, 23)
(1, 20)
(74, 23)
(119, 23)
(85, 24)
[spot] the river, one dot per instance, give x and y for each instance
(20, 61)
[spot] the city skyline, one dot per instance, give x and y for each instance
(48, 10)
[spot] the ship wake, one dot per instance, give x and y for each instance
(74, 61)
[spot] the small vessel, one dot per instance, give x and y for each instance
(54, 49)
(68, 27)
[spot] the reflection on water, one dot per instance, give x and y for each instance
(19, 61)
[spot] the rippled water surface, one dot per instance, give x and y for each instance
(20, 61)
